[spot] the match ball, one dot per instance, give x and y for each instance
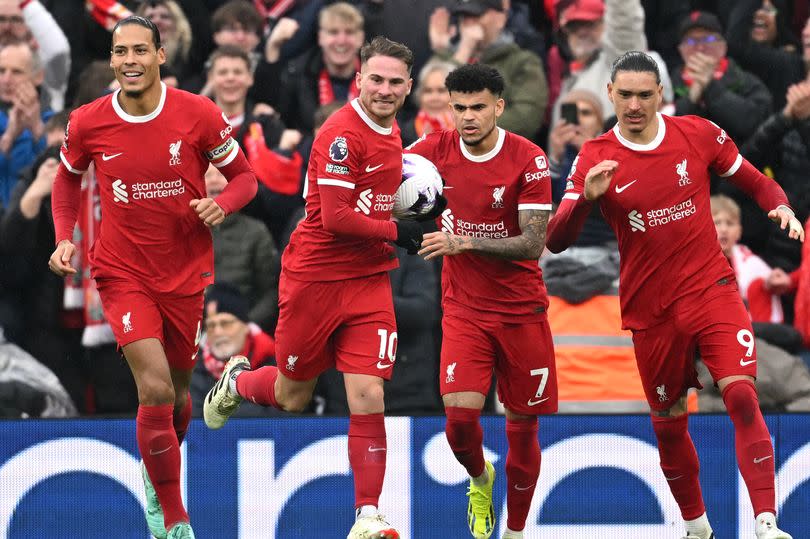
(421, 185)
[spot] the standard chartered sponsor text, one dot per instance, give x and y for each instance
(481, 230)
(675, 212)
(161, 189)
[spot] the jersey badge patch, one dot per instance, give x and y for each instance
(339, 150)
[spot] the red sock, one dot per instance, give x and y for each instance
(753, 444)
(466, 438)
(367, 453)
(181, 420)
(259, 386)
(160, 451)
(522, 470)
(679, 462)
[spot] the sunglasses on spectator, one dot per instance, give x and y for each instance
(710, 39)
(11, 19)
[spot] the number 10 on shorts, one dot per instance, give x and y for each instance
(388, 348)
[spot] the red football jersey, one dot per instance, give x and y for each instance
(364, 161)
(484, 195)
(658, 207)
(149, 168)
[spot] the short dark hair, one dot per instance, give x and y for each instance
(635, 61)
(471, 78)
(382, 46)
(227, 51)
(140, 21)
(237, 11)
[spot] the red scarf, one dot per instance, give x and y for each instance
(273, 9)
(719, 71)
(326, 94)
(425, 123)
(259, 348)
(107, 12)
(80, 288)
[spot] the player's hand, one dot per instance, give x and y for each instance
(784, 217)
(438, 207)
(409, 235)
(436, 244)
(208, 211)
(598, 179)
(59, 262)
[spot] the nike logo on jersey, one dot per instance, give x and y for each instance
(153, 452)
(760, 459)
(533, 403)
(369, 168)
(625, 186)
(106, 157)
(673, 478)
(375, 449)
(518, 487)
(743, 363)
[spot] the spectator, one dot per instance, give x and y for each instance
(51, 333)
(593, 34)
(413, 389)
(229, 332)
(760, 39)
(565, 141)
(484, 39)
(96, 80)
(781, 145)
(22, 119)
(325, 73)
(238, 23)
(36, 26)
(433, 103)
(246, 257)
(176, 36)
(302, 14)
(711, 85)
(759, 285)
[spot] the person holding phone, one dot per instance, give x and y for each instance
(580, 120)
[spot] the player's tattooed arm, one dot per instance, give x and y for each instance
(527, 246)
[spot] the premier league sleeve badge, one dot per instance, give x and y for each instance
(338, 150)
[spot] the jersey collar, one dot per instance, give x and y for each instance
(653, 144)
(375, 126)
(487, 156)
(139, 119)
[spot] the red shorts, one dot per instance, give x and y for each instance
(718, 327)
(135, 313)
(346, 324)
(521, 354)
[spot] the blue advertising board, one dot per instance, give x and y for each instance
(290, 478)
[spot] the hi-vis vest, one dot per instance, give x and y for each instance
(596, 364)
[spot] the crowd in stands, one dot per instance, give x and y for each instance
(279, 68)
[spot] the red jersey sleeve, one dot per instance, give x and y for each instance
(535, 188)
(215, 138)
(723, 156)
(725, 160)
(426, 145)
(567, 222)
(337, 159)
(73, 155)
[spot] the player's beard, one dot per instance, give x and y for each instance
(134, 94)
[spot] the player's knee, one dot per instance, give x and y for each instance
(294, 401)
(740, 398)
(366, 399)
(153, 392)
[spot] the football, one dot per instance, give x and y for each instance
(421, 183)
